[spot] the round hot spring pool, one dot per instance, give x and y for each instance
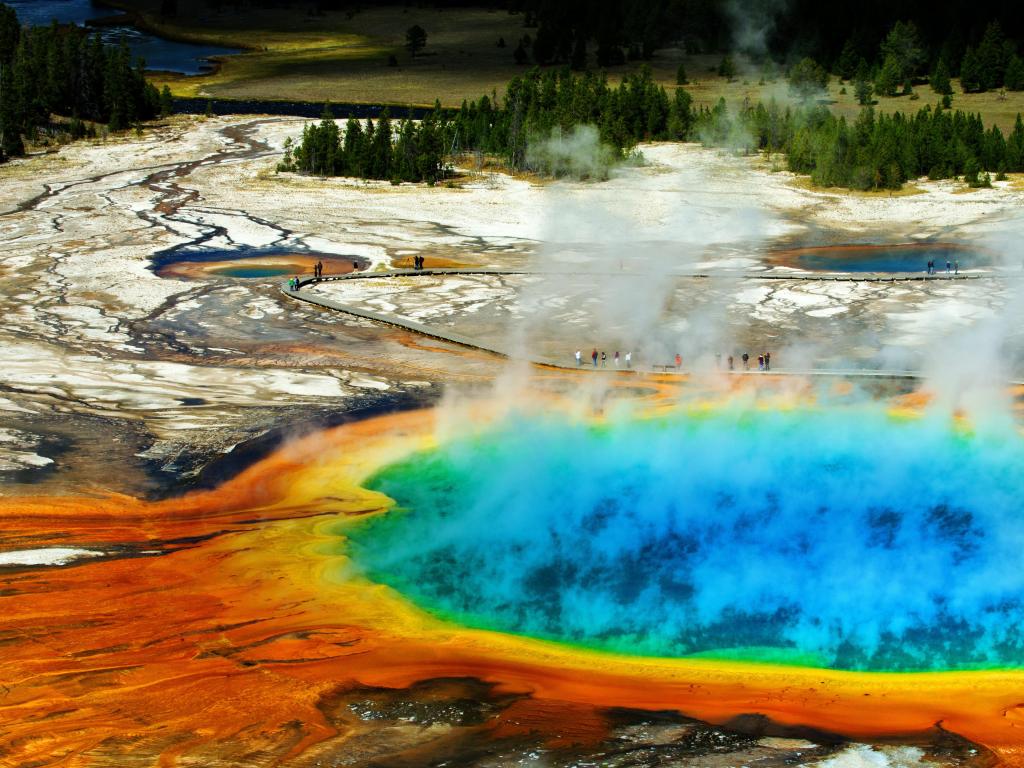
(843, 538)
(905, 258)
(251, 263)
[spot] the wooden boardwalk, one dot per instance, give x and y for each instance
(465, 341)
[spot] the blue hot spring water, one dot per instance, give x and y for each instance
(836, 538)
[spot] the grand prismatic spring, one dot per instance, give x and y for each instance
(642, 456)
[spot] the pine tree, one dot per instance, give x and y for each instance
(680, 118)
(1014, 80)
(902, 51)
(10, 125)
(808, 79)
(415, 39)
(727, 68)
(846, 65)
(888, 79)
(970, 72)
(380, 164)
(863, 87)
(681, 75)
(940, 80)
(1015, 147)
(971, 171)
(992, 57)
(166, 102)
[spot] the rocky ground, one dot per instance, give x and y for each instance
(100, 356)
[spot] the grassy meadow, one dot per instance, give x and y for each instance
(343, 57)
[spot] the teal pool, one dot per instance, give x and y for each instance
(842, 539)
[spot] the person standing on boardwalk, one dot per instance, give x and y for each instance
(746, 362)
(629, 359)
(760, 362)
(679, 361)
(579, 359)
(604, 359)
(731, 363)
(593, 356)
(956, 267)
(767, 361)
(616, 358)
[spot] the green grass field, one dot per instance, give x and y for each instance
(343, 57)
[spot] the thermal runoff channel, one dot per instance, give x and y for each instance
(843, 538)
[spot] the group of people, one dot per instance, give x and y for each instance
(955, 266)
(417, 262)
(764, 360)
(603, 356)
(318, 269)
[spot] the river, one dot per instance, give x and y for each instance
(158, 53)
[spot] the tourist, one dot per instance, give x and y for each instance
(948, 266)
(930, 265)
(956, 267)
(298, 283)
(730, 363)
(319, 269)
(355, 265)
(629, 359)
(760, 362)
(616, 358)
(593, 356)
(579, 359)
(767, 361)
(679, 361)
(604, 359)
(746, 362)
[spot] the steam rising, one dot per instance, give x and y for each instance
(833, 538)
(752, 23)
(836, 537)
(578, 153)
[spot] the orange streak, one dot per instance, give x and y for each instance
(233, 642)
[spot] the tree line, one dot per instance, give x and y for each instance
(63, 70)
(535, 106)
(406, 151)
(876, 151)
(903, 60)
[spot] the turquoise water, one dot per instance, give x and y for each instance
(891, 259)
(838, 538)
(160, 54)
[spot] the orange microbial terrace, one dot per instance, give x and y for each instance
(251, 265)
(234, 622)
